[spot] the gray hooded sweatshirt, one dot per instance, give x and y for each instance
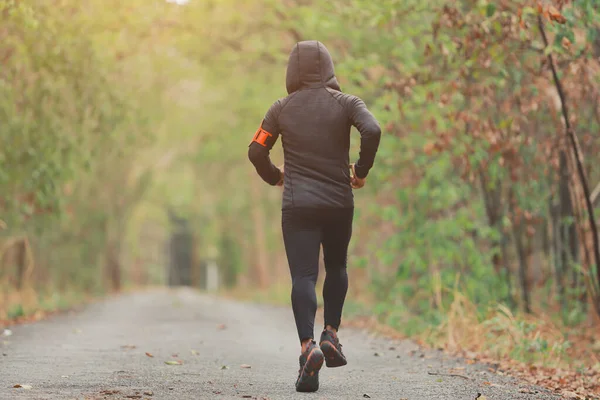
(314, 122)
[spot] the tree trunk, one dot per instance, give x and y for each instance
(112, 254)
(570, 135)
(21, 263)
(557, 246)
(506, 264)
(521, 253)
(492, 199)
(113, 265)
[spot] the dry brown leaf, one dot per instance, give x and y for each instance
(149, 354)
(526, 391)
(429, 148)
(555, 15)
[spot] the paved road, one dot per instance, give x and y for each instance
(90, 355)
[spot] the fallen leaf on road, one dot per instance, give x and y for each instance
(128, 346)
(148, 393)
(480, 397)
(571, 395)
(245, 366)
(149, 354)
(527, 391)
(366, 396)
(378, 354)
(450, 375)
(195, 353)
(221, 326)
(26, 387)
(173, 362)
(224, 367)
(246, 396)
(134, 396)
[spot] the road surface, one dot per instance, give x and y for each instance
(228, 350)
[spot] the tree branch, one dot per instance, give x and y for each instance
(595, 194)
(571, 135)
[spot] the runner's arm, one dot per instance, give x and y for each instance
(261, 145)
(370, 134)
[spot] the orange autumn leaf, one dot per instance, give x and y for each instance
(520, 18)
(555, 15)
(429, 148)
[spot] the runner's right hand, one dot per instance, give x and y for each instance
(355, 181)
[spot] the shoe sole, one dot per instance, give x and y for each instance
(308, 381)
(333, 358)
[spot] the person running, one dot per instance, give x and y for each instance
(314, 121)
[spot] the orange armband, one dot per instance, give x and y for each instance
(261, 136)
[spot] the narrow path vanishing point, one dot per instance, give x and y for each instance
(229, 350)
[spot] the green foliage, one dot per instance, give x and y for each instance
(121, 108)
(16, 311)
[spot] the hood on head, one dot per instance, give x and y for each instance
(310, 65)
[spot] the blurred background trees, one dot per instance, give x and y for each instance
(113, 113)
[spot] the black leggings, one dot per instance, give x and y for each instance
(304, 231)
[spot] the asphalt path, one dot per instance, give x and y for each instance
(181, 344)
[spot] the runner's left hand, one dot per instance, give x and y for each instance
(280, 183)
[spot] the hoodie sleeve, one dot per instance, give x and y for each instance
(370, 134)
(262, 143)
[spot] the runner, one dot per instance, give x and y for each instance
(314, 121)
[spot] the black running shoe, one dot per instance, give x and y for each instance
(332, 349)
(311, 362)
